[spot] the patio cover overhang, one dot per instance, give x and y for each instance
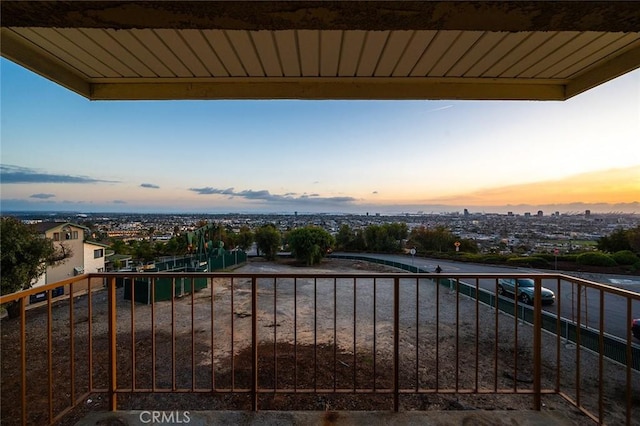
(468, 50)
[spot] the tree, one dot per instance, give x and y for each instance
(143, 251)
(439, 239)
(268, 240)
(359, 243)
(245, 238)
(310, 244)
(25, 254)
(620, 240)
(385, 238)
(345, 238)
(350, 240)
(634, 239)
(172, 247)
(120, 247)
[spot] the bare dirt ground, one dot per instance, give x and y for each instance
(304, 345)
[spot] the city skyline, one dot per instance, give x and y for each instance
(63, 152)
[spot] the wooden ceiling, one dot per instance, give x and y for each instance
(151, 50)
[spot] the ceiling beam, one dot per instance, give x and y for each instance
(330, 88)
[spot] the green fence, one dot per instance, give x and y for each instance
(227, 260)
(163, 288)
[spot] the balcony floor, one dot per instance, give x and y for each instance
(379, 418)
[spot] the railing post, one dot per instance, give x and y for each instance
(254, 344)
(113, 403)
(396, 343)
(23, 357)
(537, 344)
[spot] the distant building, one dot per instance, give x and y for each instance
(114, 262)
(587, 213)
(509, 213)
(527, 214)
(540, 213)
(466, 212)
(124, 234)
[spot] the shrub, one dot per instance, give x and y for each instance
(546, 256)
(470, 257)
(550, 257)
(595, 259)
(493, 259)
(569, 257)
(533, 261)
(625, 257)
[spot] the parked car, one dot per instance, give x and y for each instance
(635, 328)
(526, 289)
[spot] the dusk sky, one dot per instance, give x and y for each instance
(62, 152)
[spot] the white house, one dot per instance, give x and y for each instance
(86, 256)
(94, 257)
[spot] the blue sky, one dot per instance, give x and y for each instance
(62, 152)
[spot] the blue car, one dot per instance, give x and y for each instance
(526, 289)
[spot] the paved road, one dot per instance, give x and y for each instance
(615, 321)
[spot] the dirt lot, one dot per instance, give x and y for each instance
(315, 348)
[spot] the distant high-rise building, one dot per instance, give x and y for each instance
(466, 212)
(557, 213)
(527, 214)
(509, 213)
(540, 213)
(587, 213)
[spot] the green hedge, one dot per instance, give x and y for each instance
(625, 257)
(595, 259)
(550, 257)
(532, 261)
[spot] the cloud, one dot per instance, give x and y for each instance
(440, 108)
(209, 191)
(265, 195)
(149, 185)
(42, 196)
(260, 195)
(16, 174)
(119, 202)
(307, 196)
(338, 199)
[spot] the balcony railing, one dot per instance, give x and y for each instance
(396, 341)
